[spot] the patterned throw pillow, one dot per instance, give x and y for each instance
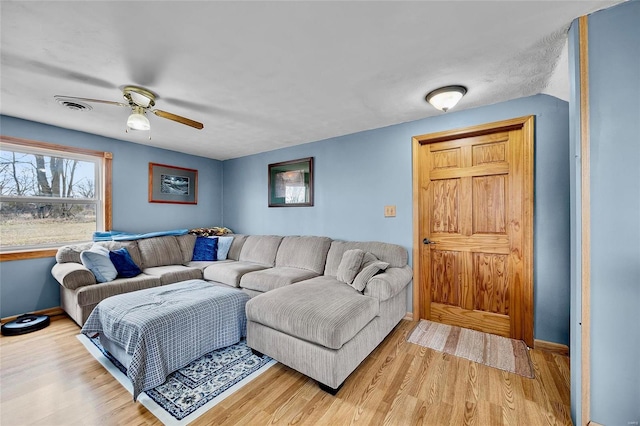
(124, 264)
(350, 265)
(205, 249)
(215, 231)
(96, 259)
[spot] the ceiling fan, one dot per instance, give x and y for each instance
(140, 100)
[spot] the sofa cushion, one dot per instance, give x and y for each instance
(92, 294)
(230, 273)
(321, 310)
(304, 252)
(160, 251)
(203, 264)
(236, 246)
(396, 256)
(272, 278)
(186, 243)
(71, 253)
(350, 265)
(170, 274)
(260, 249)
(97, 260)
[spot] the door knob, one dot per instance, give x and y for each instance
(428, 241)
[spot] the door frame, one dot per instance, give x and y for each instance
(526, 124)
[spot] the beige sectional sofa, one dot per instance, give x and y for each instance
(301, 313)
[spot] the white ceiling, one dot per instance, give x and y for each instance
(271, 74)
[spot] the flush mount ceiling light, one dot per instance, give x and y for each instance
(446, 98)
(137, 120)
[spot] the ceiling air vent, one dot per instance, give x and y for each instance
(73, 105)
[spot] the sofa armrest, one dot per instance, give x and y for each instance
(389, 283)
(72, 275)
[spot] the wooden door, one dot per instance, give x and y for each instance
(473, 249)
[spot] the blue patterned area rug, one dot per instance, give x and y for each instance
(193, 390)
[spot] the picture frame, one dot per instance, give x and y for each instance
(291, 183)
(171, 184)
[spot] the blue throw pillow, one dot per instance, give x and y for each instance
(96, 259)
(205, 249)
(124, 264)
(224, 244)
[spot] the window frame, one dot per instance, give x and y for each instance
(106, 191)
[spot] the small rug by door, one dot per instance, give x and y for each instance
(193, 390)
(488, 349)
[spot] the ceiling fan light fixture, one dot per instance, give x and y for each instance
(140, 99)
(139, 96)
(138, 121)
(446, 97)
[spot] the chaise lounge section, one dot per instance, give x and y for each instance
(325, 328)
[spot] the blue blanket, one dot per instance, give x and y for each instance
(126, 236)
(165, 328)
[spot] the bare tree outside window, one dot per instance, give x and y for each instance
(46, 199)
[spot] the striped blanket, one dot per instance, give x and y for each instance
(165, 328)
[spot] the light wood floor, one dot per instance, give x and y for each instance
(48, 378)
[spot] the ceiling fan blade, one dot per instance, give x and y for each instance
(100, 101)
(178, 118)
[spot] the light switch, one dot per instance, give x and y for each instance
(389, 211)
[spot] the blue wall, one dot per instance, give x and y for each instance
(357, 175)
(27, 285)
(614, 93)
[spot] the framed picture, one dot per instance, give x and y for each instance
(291, 183)
(169, 184)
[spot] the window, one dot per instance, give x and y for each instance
(50, 195)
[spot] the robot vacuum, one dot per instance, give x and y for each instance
(25, 324)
